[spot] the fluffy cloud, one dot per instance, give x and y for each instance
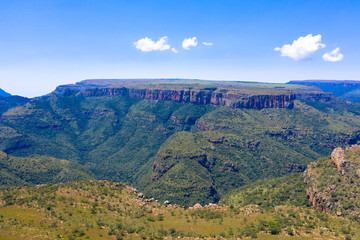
(174, 50)
(189, 42)
(147, 45)
(208, 43)
(333, 56)
(302, 48)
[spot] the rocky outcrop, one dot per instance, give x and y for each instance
(315, 197)
(339, 159)
(336, 191)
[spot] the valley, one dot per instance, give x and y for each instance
(183, 150)
(229, 159)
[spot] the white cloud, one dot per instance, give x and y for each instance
(208, 43)
(333, 56)
(189, 42)
(302, 48)
(174, 50)
(147, 45)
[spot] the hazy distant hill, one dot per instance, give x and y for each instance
(348, 89)
(10, 102)
(4, 94)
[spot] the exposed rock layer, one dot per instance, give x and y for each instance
(214, 96)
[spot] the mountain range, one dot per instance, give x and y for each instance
(185, 141)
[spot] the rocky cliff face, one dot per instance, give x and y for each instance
(214, 96)
(313, 95)
(339, 159)
(95, 92)
(333, 185)
(190, 95)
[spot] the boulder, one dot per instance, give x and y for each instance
(197, 206)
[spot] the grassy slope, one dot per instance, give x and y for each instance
(107, 210)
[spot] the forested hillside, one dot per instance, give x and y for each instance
(185, 151)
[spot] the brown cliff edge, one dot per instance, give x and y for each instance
(236, 98)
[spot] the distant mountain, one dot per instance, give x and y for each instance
(4, 94)
(10, 102)
(347, 89)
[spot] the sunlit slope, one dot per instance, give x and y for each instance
(107, 210)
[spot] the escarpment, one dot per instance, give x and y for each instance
(236, 98)
(312, 94)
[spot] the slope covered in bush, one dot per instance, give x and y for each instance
(31, 171)
(107, 210)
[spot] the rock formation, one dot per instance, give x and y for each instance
(335, 191)
(339, 159)
(236, 98)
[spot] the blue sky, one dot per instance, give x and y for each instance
(47, 43)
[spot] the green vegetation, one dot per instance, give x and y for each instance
(234, 147)
(30, 171)
(336, 191)
(288, 190)
(7, 102)
(250, 160)
(181, 152)
(107, 210)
